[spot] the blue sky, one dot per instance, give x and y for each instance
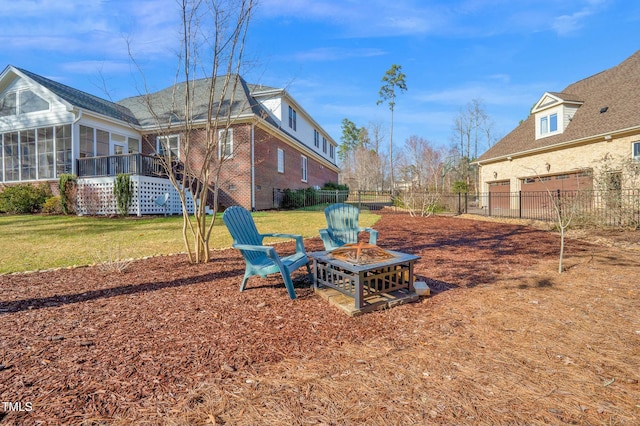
(331, 55)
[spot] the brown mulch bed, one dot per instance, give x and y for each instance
(504, 339)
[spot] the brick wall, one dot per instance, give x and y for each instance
(235, 174)
(267, 175)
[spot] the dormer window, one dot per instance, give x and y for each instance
(548, 124)
(553, 113)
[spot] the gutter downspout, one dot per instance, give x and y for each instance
(73, 141)
(253, 169)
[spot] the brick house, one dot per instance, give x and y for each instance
(270, 142)
(569, 135)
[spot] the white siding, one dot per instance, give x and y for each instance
(57, 114)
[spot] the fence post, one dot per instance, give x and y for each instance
(359, 201)
(520, 204)
(336, 195)
(489, 203)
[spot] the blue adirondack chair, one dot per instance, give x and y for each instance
(342, 227)
(263, 260)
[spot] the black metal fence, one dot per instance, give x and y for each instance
(134, 164)
(587, 208)
(315, 199)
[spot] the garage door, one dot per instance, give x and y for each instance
(499, 195)
(535, 192)
(563, 182)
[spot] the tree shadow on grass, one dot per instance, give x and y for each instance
(60, 300)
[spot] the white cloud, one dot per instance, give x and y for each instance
(335, 54)
(567, 24)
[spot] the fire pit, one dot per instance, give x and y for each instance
(361, 254)
(364, 272)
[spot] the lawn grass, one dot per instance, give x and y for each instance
(32, 243)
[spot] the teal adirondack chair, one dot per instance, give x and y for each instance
(263, 260)
(342, 227)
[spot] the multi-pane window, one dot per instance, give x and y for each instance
(22, 102)
(292, 118)
(332, 151)
(11, 157)
(28, 168)
(63, 149)
(86, 142)
(46, 166)
(636, 151)
(324, 145)
(549, 124)
(42, 153)
(304, 167)
(316, 138)
(280, 161)
(168, 146)
(225, 145)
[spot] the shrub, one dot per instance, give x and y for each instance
(68, 186)
(123, 190)
(52, 205)
(344, 190)
(24, 198)
(298, 198)
(332, 186)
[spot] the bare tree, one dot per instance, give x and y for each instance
(470, 127)
(566, 206)
(421, 169)
(202, 111)
(362, 166)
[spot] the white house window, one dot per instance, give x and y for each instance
(63, 149)
(280, 161)
(133, 145)
(316, 138)
(168, 146)
(332, 151)
(23, 102)
(304, 168)
(8, 104)
(86, 142)
(102, 143)
(549, 124)
(324, 145)
(28, 155)
(30, 102)
(45, 153)
(636, 151)
(11, 157)
(292, 118)
(225, 145)
(41, 153)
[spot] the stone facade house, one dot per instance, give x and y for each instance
(47, 129)
(584, 137)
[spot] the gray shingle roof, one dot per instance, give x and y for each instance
(617, 88)
(157, 109)
(82, 99)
